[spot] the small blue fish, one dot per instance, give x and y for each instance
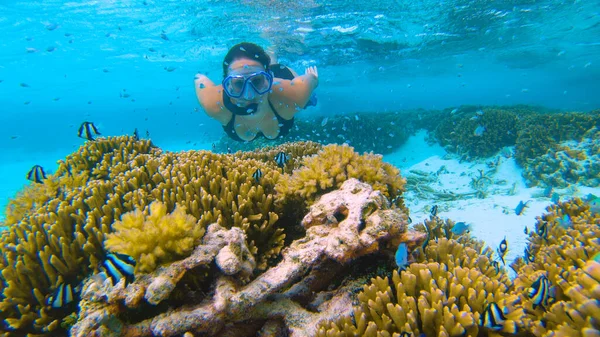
(555, 198)
(402, 256)
(565, 221)
(520, 209)
(479, 131)
(460, 228)
(51, 26)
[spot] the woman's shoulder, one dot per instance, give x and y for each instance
(211, 100)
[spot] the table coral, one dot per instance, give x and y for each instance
(341, 227)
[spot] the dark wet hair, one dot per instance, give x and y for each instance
(246, 50)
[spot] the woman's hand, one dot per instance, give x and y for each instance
(312, 71)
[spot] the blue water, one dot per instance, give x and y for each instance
(80, 59)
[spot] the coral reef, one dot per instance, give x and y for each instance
(562, 252)
(429, 299)
(112, 187)
(54, 240)
(449, 284)
(442, 293)
(152, 236)
(331, 167)
(341, 227)
(539, 133)
(567, 163)
(480, 133)
(58, 240)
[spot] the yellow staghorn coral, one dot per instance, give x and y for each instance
(296, 152)
(333, 165)
(28, 199)
(153, 237)
(561, 250)
(59, 239)
(427, 299)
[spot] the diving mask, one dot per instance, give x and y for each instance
(236, 85)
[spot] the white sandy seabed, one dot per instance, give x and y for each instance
(492, 218)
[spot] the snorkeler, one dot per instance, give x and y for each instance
(256, 97)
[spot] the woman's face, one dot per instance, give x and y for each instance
(246, 67)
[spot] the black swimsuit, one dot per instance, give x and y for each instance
(284, 124)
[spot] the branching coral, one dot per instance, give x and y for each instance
(539, 133)
(562, 250)
(443, 293)
(332, 166)
(153, 237)
(480, 133)
(430, 299)
(483, 132)
(566, 164)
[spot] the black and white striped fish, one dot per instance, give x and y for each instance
(88, 130)
(64, 295)
(136, 135)
(281, 158)
(36, 174)
(540, 292)
(434, 211)
(529, 258)
(257, 175)
(493, 318)
(118, 266)
(502, 249)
